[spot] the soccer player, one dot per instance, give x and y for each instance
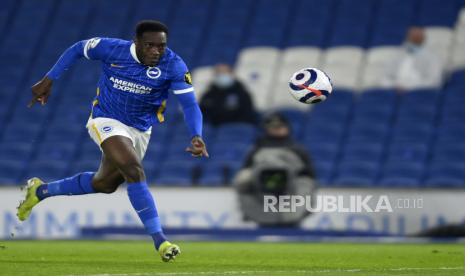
(131, 95)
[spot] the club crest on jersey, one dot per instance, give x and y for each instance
(107, 129)
(153, 72)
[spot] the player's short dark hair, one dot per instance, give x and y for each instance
(150, 26)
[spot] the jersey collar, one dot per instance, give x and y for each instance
(132, 49)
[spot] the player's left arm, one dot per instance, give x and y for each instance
(181, 85)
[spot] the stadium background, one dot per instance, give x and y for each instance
(364, 138)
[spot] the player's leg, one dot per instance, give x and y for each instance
(105, 180)
(108, 178)
(120, 150)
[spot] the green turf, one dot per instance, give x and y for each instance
(214, 258)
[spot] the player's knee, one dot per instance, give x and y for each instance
(133, 172)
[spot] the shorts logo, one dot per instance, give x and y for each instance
(153, 72)
(106, 129)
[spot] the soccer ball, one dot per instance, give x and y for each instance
(310, 86)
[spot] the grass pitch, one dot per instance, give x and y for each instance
(120, 258)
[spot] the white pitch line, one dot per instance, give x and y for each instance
(249, 272)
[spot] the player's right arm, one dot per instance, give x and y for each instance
(95, 48)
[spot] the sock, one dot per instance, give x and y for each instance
(142, 201)
(75, 185)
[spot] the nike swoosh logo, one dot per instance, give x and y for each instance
(116, 65)
(139, 211)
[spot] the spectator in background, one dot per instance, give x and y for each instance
(416, 66)
(227, 100)
(275, 166)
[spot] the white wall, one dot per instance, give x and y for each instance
(62, 217)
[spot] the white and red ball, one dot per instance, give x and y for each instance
(310, 86)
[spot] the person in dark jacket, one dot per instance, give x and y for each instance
(275, 166)
(227, 100)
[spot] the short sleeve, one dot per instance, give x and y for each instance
(181, 80)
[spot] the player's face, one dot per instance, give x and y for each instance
(150, 47)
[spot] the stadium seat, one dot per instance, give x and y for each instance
(392, 20)
(437, 13)
(343, 65)
(255, 68)
(356, 174)
(324, 132)
(402, 174)
(236, 132)
(202, 78)
(175, 174)
(323, 152)
(453, 132)
(374, 70)
(446, 175)
(373, 113)
(21, 133)
(415, 132)
(367, 132)
(323, 172)
(312, 30)
(449, 152)
(16, 151)
(410, 151)
(219, 172)
(370, 152)
(57, 151)
(296, 119)
(268, 25)
(47, 170)
(457, 59)
(11, 172)
(439, 41)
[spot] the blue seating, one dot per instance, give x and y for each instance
(402, 174)
(350, 26)
(453, 132)
(21, 133)
(369, 152)
(437, 13)
(449, 152)
(175, 173)
(268, 25)
(393, 19)
(15, 151)
(48, 170)
(418, 132)
(310, 29)
(236, 132)
(368, 132)
(323, 132)
(11, 172)
(323, 172)
(398, 133)
(323, 152)
(446, 174)
(356, 174)
(409, 151)
(217, 173)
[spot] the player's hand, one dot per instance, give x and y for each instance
(41, 91)
(198, 148)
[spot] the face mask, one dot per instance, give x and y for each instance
(412, 48)
(224, 80)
